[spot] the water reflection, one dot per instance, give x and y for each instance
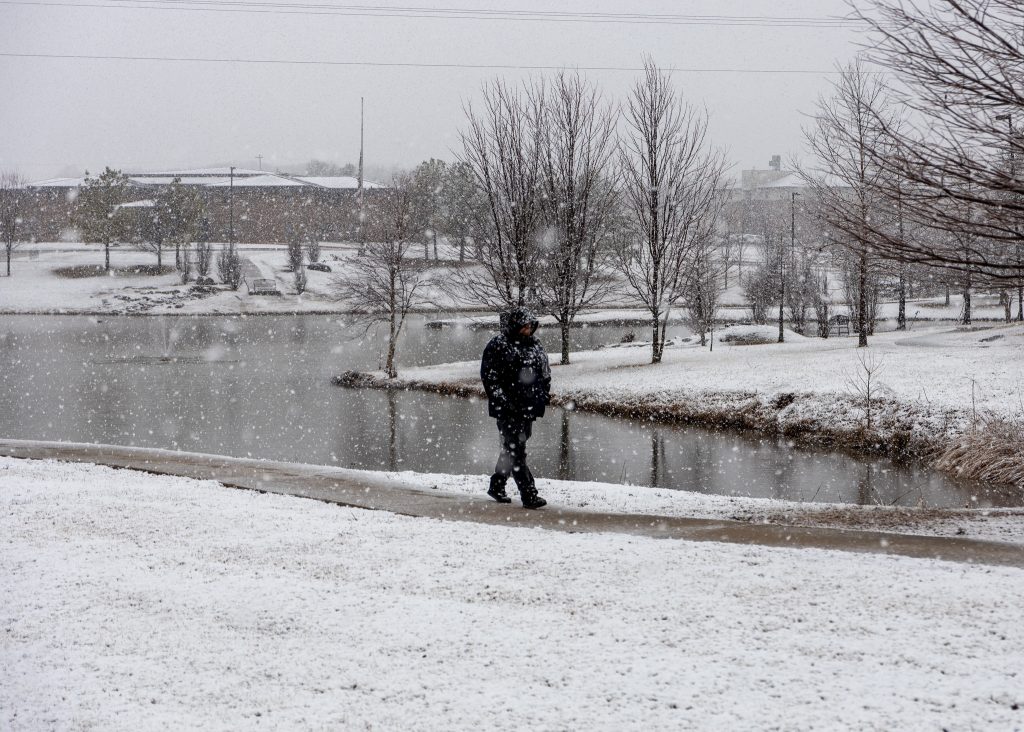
(259, 387)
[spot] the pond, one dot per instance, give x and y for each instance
(258, 386)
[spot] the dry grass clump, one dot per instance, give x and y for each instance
(993, 453)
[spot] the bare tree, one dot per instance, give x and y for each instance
(501, 147)
(670, 178)
(385, 283)
(97, 211)
(577, 145)
(12, 190)
(849, 184)
(957, 66)
(295, 261)
(703, 287)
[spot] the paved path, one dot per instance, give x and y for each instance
(357, 489)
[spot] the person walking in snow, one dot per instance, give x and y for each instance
(517, 379)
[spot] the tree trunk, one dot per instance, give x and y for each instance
(106, 255)
(8, 260)
(1020, 302)
(564, 327)
(655, 351)
(434, 235)
(782, 297)
(862, 302)
(967, 299)
(901, 317)
(389, 364)
(159, 258)
(177, 254)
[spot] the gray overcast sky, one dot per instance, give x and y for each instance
(60, 116)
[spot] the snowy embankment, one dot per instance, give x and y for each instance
(929, 387)
(140, 602)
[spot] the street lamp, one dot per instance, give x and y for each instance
(231, 214)
(792, 255)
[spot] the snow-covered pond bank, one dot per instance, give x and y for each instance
(930, 388)
(140, 602)
(259, 387)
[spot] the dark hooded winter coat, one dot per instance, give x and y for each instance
(515, 370)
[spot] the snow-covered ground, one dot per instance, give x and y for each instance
(940, 370)
(986, 524)
(139, 602)
(35, 288)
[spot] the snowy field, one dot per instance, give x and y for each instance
(136, 602)
(35, 288)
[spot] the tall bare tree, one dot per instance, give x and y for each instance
(577, 147)
(12, 191)
(957, 66)
(670, 177)
(385, 283)
(501, 146)
(849, 184)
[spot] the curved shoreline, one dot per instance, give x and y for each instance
(786, 415)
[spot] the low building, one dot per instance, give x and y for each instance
(247, 205)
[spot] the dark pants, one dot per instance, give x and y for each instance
(512, 460)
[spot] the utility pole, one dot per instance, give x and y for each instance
(359, 183)
(792, 257)
(231, 214)
(260, 159)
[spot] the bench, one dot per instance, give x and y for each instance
(262, 287)
(839, 325)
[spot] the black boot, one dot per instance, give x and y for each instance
(497, 491)
(528, 492)
(534, 501)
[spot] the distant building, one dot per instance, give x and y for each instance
(773, 184)
(268, 207)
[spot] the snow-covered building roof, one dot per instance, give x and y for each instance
(166, 180)
(790, 180)
(145, 203)
(58, 183)
(221, 178)
(267, 180)
(338, 181)
(207, 172)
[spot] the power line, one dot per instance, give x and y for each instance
(279, 8)
(399, 64)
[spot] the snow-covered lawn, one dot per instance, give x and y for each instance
(931, 382)
(34, 288)
(138, 602)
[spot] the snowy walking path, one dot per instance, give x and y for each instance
(389, 492)
(141, 602)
